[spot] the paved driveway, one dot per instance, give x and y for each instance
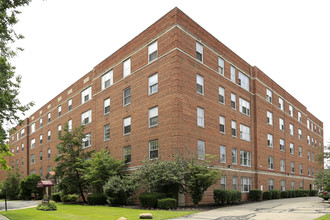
(18, 204)
(304, 208)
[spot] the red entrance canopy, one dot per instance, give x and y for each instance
(44, 183)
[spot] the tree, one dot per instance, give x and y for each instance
(10, 106)
(28, 186)
(322, 180)
(11, 184)
(101, 167)
(70, 168)
(199, 178)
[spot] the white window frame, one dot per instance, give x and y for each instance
(244, 106)
(292, 165)
(106, 106)
(69, 105)
(127, 67)
(127, 97)
(127, 123)
(291, 110)
(233, 101)
(199, 84)
(201, 150)
(221, 95)
(86, 117)
(223, 182)
(48, 135)
(246, 184)
(245, 158)
(233, 129)
(127, 154)
(59, 111)
(87, 141)
(107, 79)
(269, 95)
(270, 140)
(269, 118)
(282, 145)
(153, 117)
(300, 151)
(281, 104)
(33, 143)
(199, 52)
(222, 123)
(70, 125)
(49, 116)
(153, 147)
(245, 132)
(33, 127)
(221, 66)
(243, 81)
(152, 51)
(153, 84)
(106, 132)
(292, 148)
(270, 163)
(223, 154)
(300, 169)
(33, 159)
(232, 74)
(86, 95)
(200, 117)
(299, 116)
(299, 134)
(282, 165)
(291, 129)
(234, 156)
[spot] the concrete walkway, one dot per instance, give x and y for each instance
(17, 204)
(304, 208)
(3, 217)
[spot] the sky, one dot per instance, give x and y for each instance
(287, 40)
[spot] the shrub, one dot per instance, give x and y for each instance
(70, 198)
(255, 195)
(151, 199)
(47, 207)
(313, 192)
(220, 196)
(324, 195)
(284, 194)
(236, 196)
(276, 194)
(97, 199)
(267, 195)
(291, 193)
(56, 197)
(167, 203)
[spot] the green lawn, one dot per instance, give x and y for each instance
(88, 212)
(325, 217)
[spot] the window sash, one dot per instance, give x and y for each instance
(107, 132)
(107, 106)
(153, 84)
(201, 150)
(152, 51)
(200, 84)
(200, 117)
(221, 64)
(127, 67)
(153, 149)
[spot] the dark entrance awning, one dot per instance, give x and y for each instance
(44, 183)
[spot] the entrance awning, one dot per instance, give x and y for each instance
(44, 183)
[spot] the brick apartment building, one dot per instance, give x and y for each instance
(177, 89)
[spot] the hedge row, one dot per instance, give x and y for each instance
(149, 200)
(257, 195)
(97, 199)
(222, 196)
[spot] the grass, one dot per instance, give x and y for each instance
(80, 212)
(325, 217)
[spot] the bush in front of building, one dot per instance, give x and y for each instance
(149, 200)
(313, 192)
(69, 198)
(255, 195)
(28, 186)
(51, 206)
(97, 199)
(302, 192)
(56, 197)
(291, 193)
(222, 196)
(236, 196)
(324, 195)
(284, 194)
(167, 203)
(267, 195)
(276, 194)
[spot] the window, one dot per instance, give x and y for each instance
(245, 158)
(59, 129)
(244, 106)
(269, 95)
(292, 184)
(87, 140)
(299, 117)
(235, 185)
(40, 171)
(107, 79)
(86, 95)
(221, 95)
(243, 81)
(153, 83)
(153, 116)
(127, 154)
(233, 101)
(308, 124)
(308, 140)
(291, 129)
(300, 169)
(40, 139)
(313, 156)
(281, 123)
(127, 67)
(127, 125)
(40, 155)
(33, 143)
(33, 159)
(282, 165)
(152, 51)
(153, 149)
(300, 151)
(200, 84)
(270, 163)
(281, 104)
(221, 64)
(244, 132)
(199, 52)
(22, 133)
(201, 150)
(222, 122)
(40, 122)
(70, 125)
(22, 161)
(69, 105)
(48, 135)
(291, 148)
(222, 154)
(127, 96)
(292, 167)
(232, 74)
(301, 185)
(234, 156)
(269, 118)
(291, 110)
(223, 182)
(33, 127)
(106, 132)
(270, 140)
(86, 117)
(22, 147)
(59, 111)
(246, 183)
(308, 155)
(106, 104)
(299, 134)
(200, 117)
(282, 145)
(48, 117)
(48, 153)
(270, 184)
(233, 129)
(312, 142)
(17, 149)
(282, 185)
